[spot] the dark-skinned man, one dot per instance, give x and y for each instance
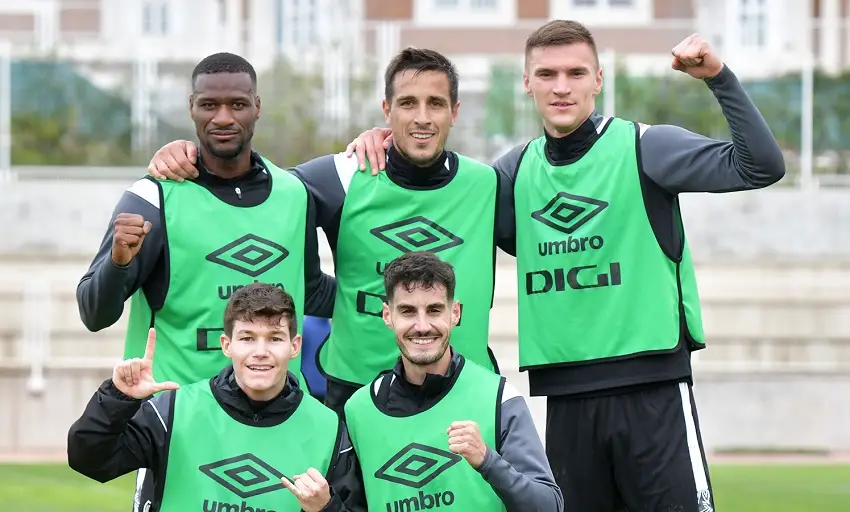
(179, 250)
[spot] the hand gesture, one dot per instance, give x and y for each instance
(311, 489)
(134, 377)
(128, 234)
(695, 57)
(372, 145)
(175, 161)
(465, 439)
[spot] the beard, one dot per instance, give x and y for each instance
(423, 358)
(226, 152)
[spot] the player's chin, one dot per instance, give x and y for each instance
(225, 150)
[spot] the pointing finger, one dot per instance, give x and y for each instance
(151, 346)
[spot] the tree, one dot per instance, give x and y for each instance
(291, 128)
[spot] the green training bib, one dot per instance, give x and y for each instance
(406, 461)
(381, 221)
(217, 464)
(593, 282)
(213, 250)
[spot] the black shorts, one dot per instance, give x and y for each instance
(639, 451)
(337, 394)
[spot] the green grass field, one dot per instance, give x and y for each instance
(765, 488)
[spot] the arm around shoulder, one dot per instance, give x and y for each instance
(519, 471)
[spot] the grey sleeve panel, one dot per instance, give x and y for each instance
(105, 286)
(681, 161)
(505, 216)
(506, 166)
(322, 179)
(507, 163)
(320, 288)
(520, 472)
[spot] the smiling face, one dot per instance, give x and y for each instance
(224, 108)
(422, 318)
(421, 114)
(261, 351)
(564, 81)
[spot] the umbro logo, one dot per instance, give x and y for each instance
(250, 254)
(245, 475)
(568, 212)
(417, 234)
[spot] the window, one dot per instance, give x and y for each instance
(155, 17)
(446, 3)
(620, 3)
(298, 24)
(584, 3)
(753, 23)
(483, 4)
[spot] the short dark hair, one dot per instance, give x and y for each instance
(260, 300)
(420, 59)
(419, 268)
(560, 32)
(224, 62)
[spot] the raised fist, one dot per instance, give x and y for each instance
(129, 233)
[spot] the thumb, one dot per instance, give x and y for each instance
(192, 153)
(677, 64)
(146, 228)
(165, 386)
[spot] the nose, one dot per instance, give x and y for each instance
(422, 118)
(562, 85)
(261, 349)
(223, 116)
(422, 323)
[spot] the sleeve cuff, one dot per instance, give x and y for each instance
(487, 463)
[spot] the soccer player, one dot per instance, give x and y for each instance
(439, 430)
(179, 250)
(225, 443)
(414, 205)
(608, 306)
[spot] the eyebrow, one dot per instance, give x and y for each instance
(414, 98)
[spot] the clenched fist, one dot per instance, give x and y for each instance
(465, 440)
(695, 57)
(128, 235)
(134, 377)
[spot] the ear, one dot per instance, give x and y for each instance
(385, 313)
(525, 84)
(296, 346)
(191, 103)
(386, 108)
(257, 99)
(455, 313)
(598, 81)
(455, 111)
(225, 344)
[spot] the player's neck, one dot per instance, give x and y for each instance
(227, 168)
(415, 374)
(574, 146)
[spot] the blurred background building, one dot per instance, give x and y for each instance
(89, 89)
